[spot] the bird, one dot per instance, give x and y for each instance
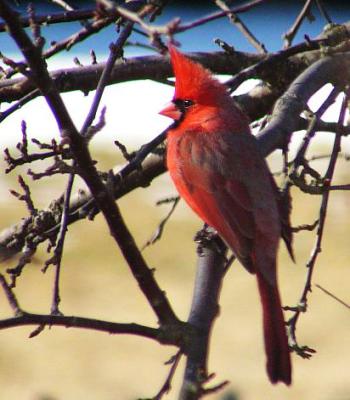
(217, 167)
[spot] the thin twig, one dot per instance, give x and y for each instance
(28, 251)
(340, 187)
(216, 388)
(67, 43)
(144, 151)
(136, 68)
(289, 36)
(310, 133)
(292, 322)
(242, 27)
(174, 361)
(58, 252)
(112, 328)
(19, 104)
(305, 227)
(299, 161)
(174, 26)
(323, 11)
(56, 18)
(11, 297)
(271, 60)
(115, 52)
(26, 197)
(333, 296)
(159, 231)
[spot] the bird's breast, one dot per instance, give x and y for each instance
(179, 153)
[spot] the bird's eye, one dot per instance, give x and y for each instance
(187, 103)
(182, 105)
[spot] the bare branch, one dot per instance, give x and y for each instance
(306, 227)
(210, 272)
(174, 26)
(159, 231)
(111, 328)
(241, 27)
(292, 322)
(82, 206)
(56, 18)
(11, 297)
(104, 200)
(115, 52)
(58, 252)
(26, 197)
(20, 103)
(323, 11)
(289, 36)
(331, 69)
(143, 67)
(174, 361)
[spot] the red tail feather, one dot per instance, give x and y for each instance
(276, 342)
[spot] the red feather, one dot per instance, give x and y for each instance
(215, 163)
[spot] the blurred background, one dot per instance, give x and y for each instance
(79, 364)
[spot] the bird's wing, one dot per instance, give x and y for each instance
(226, 182)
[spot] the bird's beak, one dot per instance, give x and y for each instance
(171, 111)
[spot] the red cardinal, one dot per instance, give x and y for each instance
(217, 168)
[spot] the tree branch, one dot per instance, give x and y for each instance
(236, 21)
(289, 36)
(86, 78)
(304, 351)
(55, 18)
(111, 328)
(330, 69)
(175, 26)
(104, 200)
(211, 269)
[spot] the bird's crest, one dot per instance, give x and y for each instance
(193, 81)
